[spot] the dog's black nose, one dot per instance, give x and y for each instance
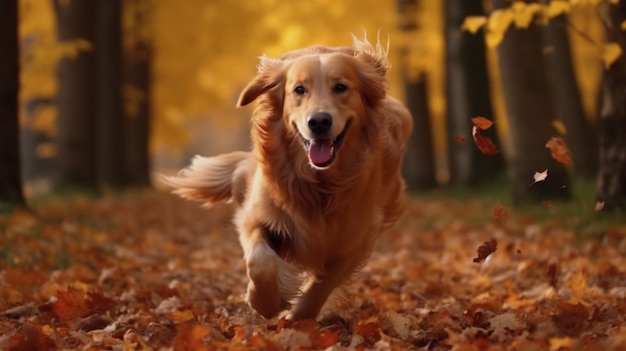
(320, 122)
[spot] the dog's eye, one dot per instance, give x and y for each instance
(340, 88)
(299, 90)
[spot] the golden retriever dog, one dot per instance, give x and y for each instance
(322, 180)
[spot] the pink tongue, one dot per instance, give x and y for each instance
(320, 151)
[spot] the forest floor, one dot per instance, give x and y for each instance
(145, 270)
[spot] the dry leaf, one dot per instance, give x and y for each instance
(540, 177)
(486, 249)
(599, 206)
(485, 145)
(499, 213)
(482, 122)
(559, 150)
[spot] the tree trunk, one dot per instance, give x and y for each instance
(419, 163)
(10, 180)
(467, 96)
(76, 139)
(110, 116)
(137, 82)
(611, 185)
(581, 135)
(530, 113)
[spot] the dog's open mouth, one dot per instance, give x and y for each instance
(322, 151)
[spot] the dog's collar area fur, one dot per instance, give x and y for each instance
(333, 145)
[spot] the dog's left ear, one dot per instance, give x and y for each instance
(269, 76)
(374, 72)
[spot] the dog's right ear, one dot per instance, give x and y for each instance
(269, 75)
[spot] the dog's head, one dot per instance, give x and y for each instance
(323, 96)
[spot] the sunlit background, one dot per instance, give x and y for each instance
(204, 52)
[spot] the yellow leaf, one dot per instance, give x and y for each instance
(610, 53)
(498, 23)
(473, 24)
(523, 14)
(557, 8)
(557, 343)
(559, 126)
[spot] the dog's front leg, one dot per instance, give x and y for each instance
(263, 293)
(314, 298)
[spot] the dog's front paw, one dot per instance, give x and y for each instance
(266, 304)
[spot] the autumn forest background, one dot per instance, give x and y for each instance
(519, 152)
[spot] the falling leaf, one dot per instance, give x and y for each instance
(486, 249)
(485, 145)
(599, 206)
(473, 24)
(559, 126)
(611, 52)
(482, 122)
(559, 150)
(547, 203)
(540, 177)
(460, 138)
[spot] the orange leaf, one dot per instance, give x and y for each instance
(485, 145)
(486, 249)
(70, 304)
(31, 337)
(559, 150)
(547, 203)
(482, 122)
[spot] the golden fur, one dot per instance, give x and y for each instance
(310, 206)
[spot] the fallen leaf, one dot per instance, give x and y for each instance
(70, 304)
(559, 343)
(486, 249)
(559, 150)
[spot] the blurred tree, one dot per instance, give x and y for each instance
(76, 97)
(137, 90)
(530, 114)
(419, 162)
(10, 180)
(110, 125)
(581, 134)
(467, 96)
(611, 185)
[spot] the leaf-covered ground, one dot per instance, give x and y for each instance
(148, 271)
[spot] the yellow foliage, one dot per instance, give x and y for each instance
(499, 22)
(557, 8)
(611, 52)
(473, 24)
(523, 14)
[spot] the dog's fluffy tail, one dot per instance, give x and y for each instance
(215, 179)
